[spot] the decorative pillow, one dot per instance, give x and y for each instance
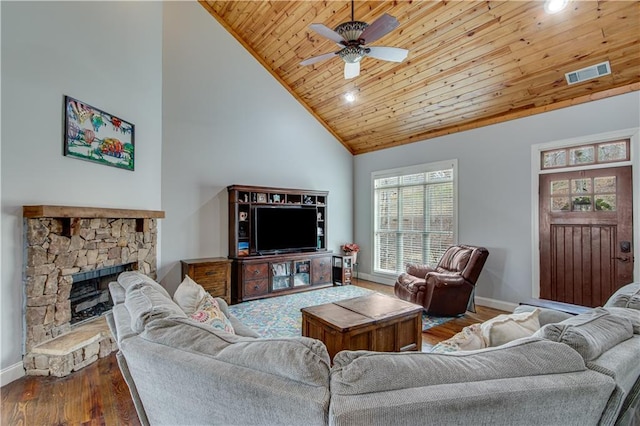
(189, 295)
(469, 339)
(505, 328)
(209, 312)
(590, 334)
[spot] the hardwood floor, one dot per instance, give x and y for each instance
(98, 395)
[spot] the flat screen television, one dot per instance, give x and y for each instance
(285, 229)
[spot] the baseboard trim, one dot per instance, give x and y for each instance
(11, 373)
(496, 304)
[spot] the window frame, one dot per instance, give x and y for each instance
(402, 171)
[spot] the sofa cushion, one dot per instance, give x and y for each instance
(632, 315)
(117, 292)
(545, 315)
(131, 278)
(360, 372)
(299, 358)
(189, 295)
(505, 328)
(146, 303)
(627, 296)
(209, 312)
(591, 333)
(469, 339)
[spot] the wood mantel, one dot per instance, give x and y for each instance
(88, 212)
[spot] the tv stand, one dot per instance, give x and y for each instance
(257, 277)
(258, 274)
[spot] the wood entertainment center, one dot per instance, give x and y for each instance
(303, 264)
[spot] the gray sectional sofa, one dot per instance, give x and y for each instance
(183, 372)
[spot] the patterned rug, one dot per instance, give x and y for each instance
(280, 316)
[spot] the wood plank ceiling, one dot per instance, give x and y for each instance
(470, 63)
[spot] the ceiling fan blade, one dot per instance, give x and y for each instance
(319, 58)
(379, 28)
(327, 32)
(351, 69)
(393, 54)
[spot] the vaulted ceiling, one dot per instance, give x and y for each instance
(470, 63)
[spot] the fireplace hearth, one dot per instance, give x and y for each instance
(71, 255)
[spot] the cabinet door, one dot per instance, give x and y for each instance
(254, 288)
(254, 271)
(321, 270)
(281, 276)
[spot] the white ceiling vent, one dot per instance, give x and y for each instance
(588, 73)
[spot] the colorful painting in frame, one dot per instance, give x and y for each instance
(94, 135)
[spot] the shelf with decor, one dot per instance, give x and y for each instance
(285, 230)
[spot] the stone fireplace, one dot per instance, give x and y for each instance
(71, 254)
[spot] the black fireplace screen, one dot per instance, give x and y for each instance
(90, 295)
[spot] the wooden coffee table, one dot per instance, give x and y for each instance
(374, 322)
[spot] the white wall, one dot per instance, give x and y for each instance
(228, 121)
(108, 54)
(494, 183)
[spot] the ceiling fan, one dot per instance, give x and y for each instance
(354, 38)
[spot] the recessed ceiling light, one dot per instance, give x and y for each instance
(349, 97)
(555, 6)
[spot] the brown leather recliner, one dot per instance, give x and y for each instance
(447, 289)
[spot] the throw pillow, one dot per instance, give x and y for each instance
(469, 339)
(189, 295)
(507, 327)
(209, 312)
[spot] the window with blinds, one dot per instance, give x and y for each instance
(415, 215)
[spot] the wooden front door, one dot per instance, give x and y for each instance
(586, 235)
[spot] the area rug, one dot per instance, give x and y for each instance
(280, 316)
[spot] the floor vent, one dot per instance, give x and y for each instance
(588, 73)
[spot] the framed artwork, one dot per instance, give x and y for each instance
(93, 135)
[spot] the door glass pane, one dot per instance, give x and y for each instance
(580, 186)
(606, 202)
(560, 204)
(559, 187)
(605, 184)
(614, 151)
(554, 159)
(582, 155)
(582, 204)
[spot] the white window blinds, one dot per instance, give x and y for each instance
(415, 217)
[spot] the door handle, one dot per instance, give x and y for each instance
(621, 258)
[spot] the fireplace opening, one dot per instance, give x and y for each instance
(90, 297)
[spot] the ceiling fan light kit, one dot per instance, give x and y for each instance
(353, 37)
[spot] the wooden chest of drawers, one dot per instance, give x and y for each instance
(213, 273)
